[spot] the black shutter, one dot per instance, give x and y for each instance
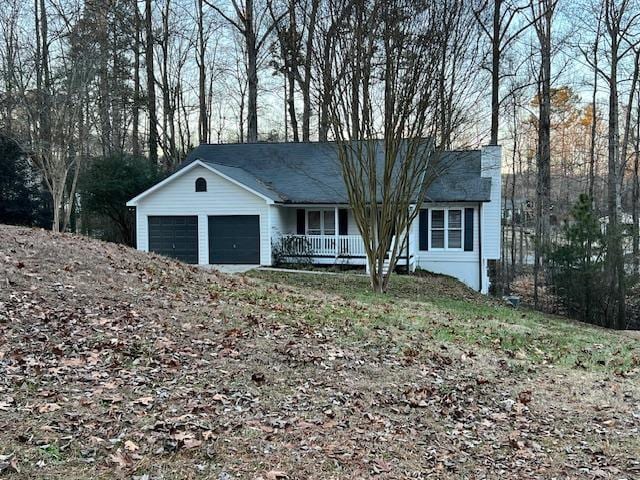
(423, 229)
(468, 229)
(300, 221)
(343, 221)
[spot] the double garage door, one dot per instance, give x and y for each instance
(233, 239)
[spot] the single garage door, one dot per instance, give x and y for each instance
(175, 237)
(234, 239)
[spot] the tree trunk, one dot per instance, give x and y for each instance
(46, 124)
(627, 119)
(513, 196)
(495, 72)
(357, 69)
(118, 98)
(615, 311)
(168, 115)
(203, 123)
(288, 39)
(306, 83)
(104, 94)
(325, 96)
(151, 88)
(290, 79)
(594, 119)
(545, 140)
(635, 194)
(543, 186)
(252, 74)
(135, 128)
(292, 70)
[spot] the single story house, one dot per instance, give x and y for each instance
(241, 203)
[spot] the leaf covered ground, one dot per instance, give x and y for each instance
(115, 363)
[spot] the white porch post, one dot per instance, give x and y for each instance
(336, 223)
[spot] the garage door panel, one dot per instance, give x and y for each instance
(234, 239)
(175, 237)
(231, 256)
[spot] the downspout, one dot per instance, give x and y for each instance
(480, 247)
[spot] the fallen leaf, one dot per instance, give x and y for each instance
(218, 397)
(146, 401)
(275, 474)
(129, 445)
(525, 397)
(182, 436)
(48, 407)
(121, 459)
(192, 443)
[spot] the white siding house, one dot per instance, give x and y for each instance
(237, 203)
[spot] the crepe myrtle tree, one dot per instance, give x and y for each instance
(384, 114)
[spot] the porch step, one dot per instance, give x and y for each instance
(385, 267)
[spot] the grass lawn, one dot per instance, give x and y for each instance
(120, 364)
(442, 308)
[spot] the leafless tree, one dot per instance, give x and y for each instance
(151, 83)
(168, 111)
(55, 119)
(295, 22)
(543, 13)
(621, 18)
(286, 29)
(387, 150)
(203, 114)
(135, 128)
(254, 25)
(636, 193)
(333, 17)
(500, 25)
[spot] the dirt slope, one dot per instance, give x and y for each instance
(115, 363)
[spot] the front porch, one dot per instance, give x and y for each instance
(331, 250)
(324, 235)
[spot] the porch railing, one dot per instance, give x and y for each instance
(325, 245)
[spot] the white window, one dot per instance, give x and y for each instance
(454, 229)
(437, 228)
(329, 225)
(321, 222)
(446, 229)
(314, 222)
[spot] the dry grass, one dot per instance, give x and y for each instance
(121, 364)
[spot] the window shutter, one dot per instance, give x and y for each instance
(468, 229)
(423, 229)
(343, 221)
(300, 220)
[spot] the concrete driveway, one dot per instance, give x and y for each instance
(230, 268)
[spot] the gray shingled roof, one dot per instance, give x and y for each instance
(310, 172)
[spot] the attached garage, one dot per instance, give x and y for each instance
(175, 237)
(203, 214)
(234, 239)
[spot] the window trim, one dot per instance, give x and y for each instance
(446, 229)
(322, 226)
(196, 185)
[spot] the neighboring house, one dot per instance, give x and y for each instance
(521, 207)
(237, 204)
(626, 222)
